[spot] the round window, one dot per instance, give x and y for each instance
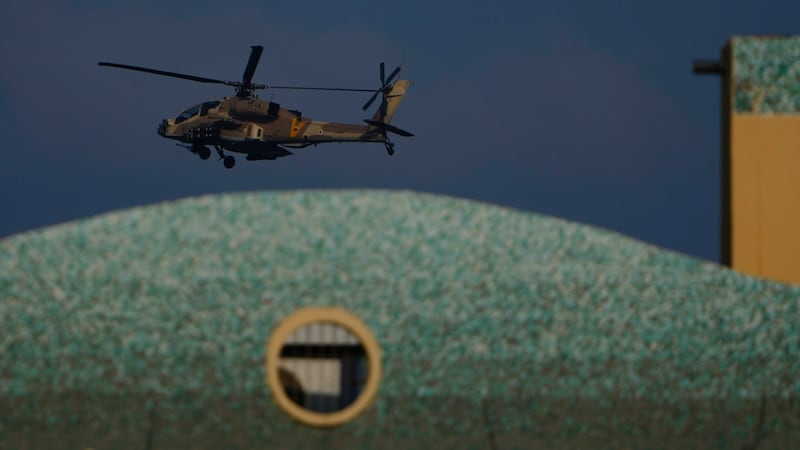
(323, 366)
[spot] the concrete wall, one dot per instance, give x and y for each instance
(765, 194)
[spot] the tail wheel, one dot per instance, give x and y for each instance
(389, 146)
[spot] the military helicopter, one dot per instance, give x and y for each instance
(263, 130)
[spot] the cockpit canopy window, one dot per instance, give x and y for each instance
(191, 112)
(187, 113)
(208, 105)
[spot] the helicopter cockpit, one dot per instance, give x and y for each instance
(193, 110)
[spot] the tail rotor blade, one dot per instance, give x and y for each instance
(391, 76)
(383, 90)
(370, 101)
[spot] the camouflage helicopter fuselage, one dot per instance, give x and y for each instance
(264, 130)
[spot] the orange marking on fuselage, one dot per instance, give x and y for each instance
(297, 125)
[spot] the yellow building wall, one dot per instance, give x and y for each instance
(765, 195)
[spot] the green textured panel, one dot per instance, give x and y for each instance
(499, 329)
(766, 74)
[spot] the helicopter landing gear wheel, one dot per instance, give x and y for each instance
(204, 153)
(229, 161)
(200, 150)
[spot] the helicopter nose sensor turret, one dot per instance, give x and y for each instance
(162, 127)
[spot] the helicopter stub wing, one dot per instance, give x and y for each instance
(226, 124)
(269, 153)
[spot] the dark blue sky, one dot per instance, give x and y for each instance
(583, 110)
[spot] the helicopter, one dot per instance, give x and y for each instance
(263, 130)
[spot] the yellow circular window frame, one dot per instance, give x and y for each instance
(335, 316)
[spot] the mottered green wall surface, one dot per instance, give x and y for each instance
(766, 74)
(145, 328)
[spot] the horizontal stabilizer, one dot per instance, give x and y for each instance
(386, 127)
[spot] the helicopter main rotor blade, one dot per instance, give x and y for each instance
(320, 88)
(167, 74)
(255, 55)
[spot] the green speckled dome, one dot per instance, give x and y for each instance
(146, 328)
